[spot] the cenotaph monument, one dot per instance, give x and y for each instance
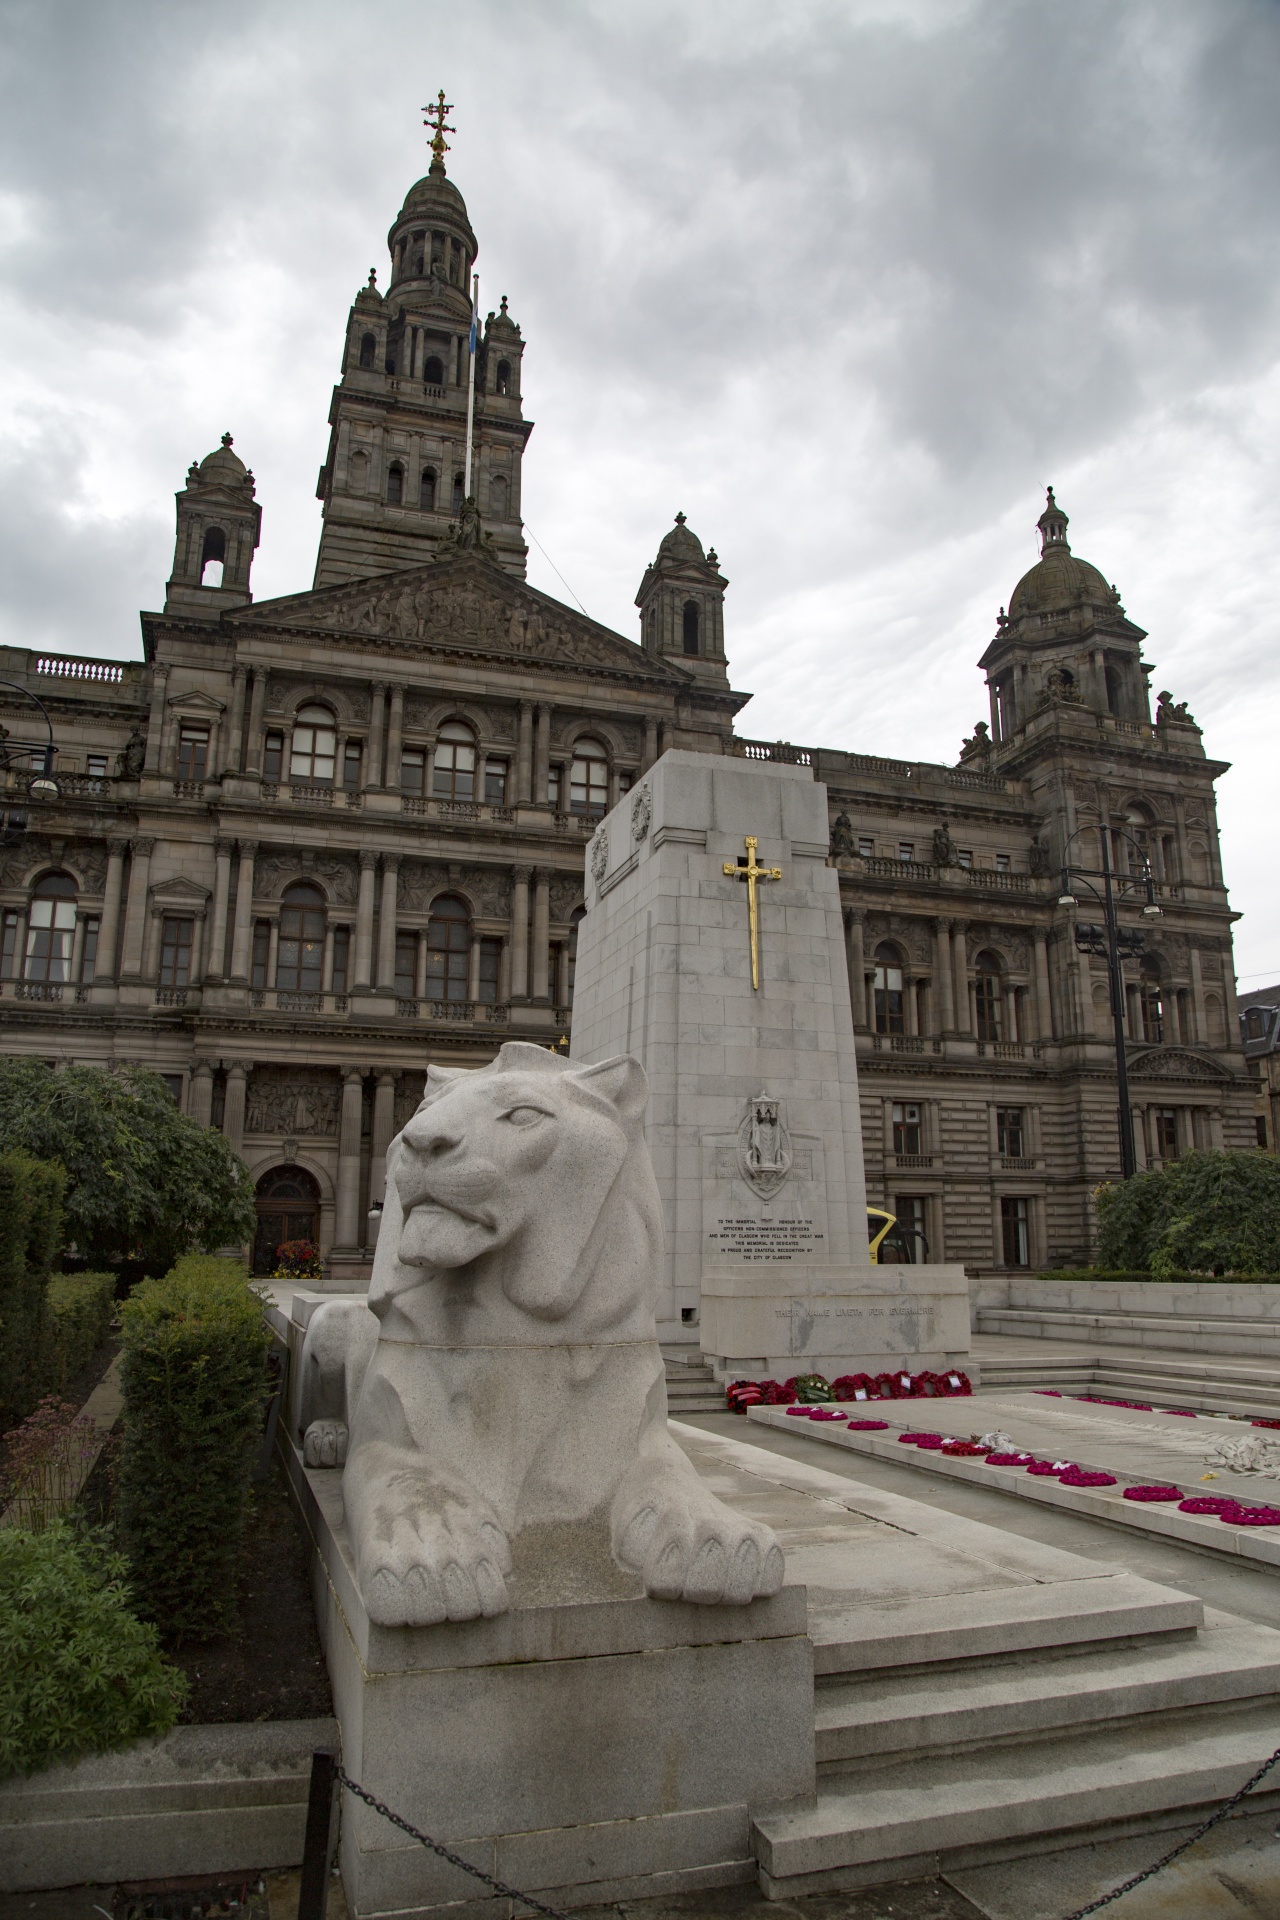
(713, 950)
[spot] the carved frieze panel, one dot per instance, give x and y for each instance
(566, 894)
(293, 1100)
(336, 874)
(408, 1095)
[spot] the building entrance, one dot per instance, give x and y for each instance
(288, 1206)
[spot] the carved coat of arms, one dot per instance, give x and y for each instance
(764, 1146)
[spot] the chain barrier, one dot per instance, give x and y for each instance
(1227, 1807)
(425, 1840)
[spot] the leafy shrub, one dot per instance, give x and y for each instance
(79, 1673)
(30, 1235)
(45, 1461)
(1208, 1213)
(142, 1178)
(80, 1310)
(1124, 1276)
(195, 1380)
(298, 1260)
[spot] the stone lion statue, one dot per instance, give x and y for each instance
(500, 1400)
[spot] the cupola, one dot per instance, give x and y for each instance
(219, 525)
(681, 602)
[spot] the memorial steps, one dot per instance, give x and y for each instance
(1067, 1359)
(691, 1383)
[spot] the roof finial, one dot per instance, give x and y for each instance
(439, 145)
(373, 278)
(679, 519)
(226, 440)
(1052, 525)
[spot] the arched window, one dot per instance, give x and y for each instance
(287, 1204)
(368, 348)
(315, 743)
(459, 483)
(51, 926)
(427, 490)
(690, 624)
(358, 471)
(498, 497)
(212, 557)
(887, 990)
(454, 777)
(504, 376)
(589, 780)
(988, 996)
(395, 486)
(1215, 1020)
(575, 921)
(1152, 1002)
(433, 371)
(300, 955)
(448, 948)
(1115, 691)
(651, 628)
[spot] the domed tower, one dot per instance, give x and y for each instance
(219, 524)
(393, 479)
(1066, 642)
(681, 602)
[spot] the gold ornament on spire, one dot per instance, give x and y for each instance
(439, 125)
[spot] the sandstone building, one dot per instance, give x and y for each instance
(305, 845)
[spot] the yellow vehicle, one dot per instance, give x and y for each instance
(888, 1244)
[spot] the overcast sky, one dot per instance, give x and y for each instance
(847, 283)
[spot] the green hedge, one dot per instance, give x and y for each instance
(1126, 1274)
(195, 1383)
(79, 1673)
(31, 1194)
(1212, 1213)
(80, 1310)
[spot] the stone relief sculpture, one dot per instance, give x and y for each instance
(764, 1146)
(294, 1105)
(500, 1400)
(842, 840)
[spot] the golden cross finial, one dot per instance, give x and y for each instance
(752, 873)
(439, 107)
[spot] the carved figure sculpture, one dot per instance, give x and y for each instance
(514, 1391)
(841, 835)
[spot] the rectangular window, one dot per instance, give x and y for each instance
(1167, 1132)
(96, 766)
(89, 951)
(341, 948)
(625, 782)
(413, 770)
(261, 954)
(906, 1127)
(50, 931)
(490, 971)
(906, 849)
(406, 964)
(964, 856)
(986, 1000)
(1015, 1229)
(888, 1000)
(1004, 863)
(910, 1209)
(272, 756)
(175, 952)
(9, 944)
(193, 750)
(1009, 1133)
(351, 764)
(173, 1081)
(553, 787)
(495, 782)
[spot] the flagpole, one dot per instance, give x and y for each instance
(471, 383)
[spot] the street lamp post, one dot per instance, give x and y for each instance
(1117, 943)
(41, 784)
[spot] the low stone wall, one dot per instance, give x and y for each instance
(1206, 1300)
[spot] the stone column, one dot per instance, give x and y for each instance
(395, 737)
(326, 961)
(216, 957)
(855, 925)
(520, 935)
(375, 735)
(362, 970)
(541, 920)
(908, 1002)
(155, 719)
(384, 1126)
(1011, 1012)
(257, 726)
(151, 945)
(233, 1110)
(1044, 1005)
(650, 741)
(524, 755)
(273, 949)
(198, 919)
(960, 965)
(347, 1213)
(109, 929)
(542, 753)
(135, 913)
(420, 968)
(77, 947)
(235, 738)
(1230, 1004)
(1199, 1027)
(200, 1094)
(387, 923)
(942, 973)
(242, 931)
(473, 968)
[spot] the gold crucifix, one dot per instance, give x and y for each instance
(439, 107)
(748, 870)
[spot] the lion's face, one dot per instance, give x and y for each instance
(515, 1162)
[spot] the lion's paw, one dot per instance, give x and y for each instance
(701, 1550)
(421, 1568)
(325, 1443)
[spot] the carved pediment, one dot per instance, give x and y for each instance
(1175, 1063)
(179, 892)
(194, 700)
(466, 605)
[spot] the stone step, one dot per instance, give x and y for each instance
(692, 1386)
(862, 1723)
(1167, 1332)
(931, 1631)
(963, 1807)
(1181, 1379)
